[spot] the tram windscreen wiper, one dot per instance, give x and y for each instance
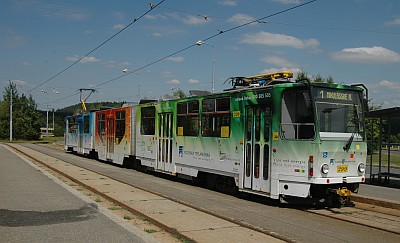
(356, 124)
(348, 144)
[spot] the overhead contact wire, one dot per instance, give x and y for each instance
(208, 38)
(152, 6)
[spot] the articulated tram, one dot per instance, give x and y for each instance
(266, 135)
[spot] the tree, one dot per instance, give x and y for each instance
(179, 93)
(329, 80)
(317, 78)
(26, 117)
(302, 76)
(373, 135)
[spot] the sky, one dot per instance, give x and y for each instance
(131, 49)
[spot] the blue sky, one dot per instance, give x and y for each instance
(354, 41)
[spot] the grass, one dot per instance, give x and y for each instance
(115, 207)
(150, 231)
(394, 159)
(41, 140)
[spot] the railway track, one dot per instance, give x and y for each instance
(141, 201)
(177, 217)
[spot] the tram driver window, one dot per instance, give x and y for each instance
(297, 117)
(148, 120)
(101, 126)
(86, 124)
(120, 126)
(188, 118)
(72, 125)
(216, 117)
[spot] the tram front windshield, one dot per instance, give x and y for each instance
(339, 112)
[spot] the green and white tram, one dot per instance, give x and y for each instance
(266, 135)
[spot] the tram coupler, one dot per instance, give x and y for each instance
(343, 192)
(344, 197)
(341, 197)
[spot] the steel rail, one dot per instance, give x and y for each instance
(235, 221)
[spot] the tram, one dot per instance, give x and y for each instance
(266, 135)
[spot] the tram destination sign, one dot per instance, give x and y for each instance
(334, 94)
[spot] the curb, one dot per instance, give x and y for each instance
(376, 201)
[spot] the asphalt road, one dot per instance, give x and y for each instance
(34, 208)
(287, 221)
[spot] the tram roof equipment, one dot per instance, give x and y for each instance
(260, 80)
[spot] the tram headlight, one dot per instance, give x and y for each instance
(325, 168)
(361, 167)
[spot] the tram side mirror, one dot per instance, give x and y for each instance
(307, 101)
(365, 103)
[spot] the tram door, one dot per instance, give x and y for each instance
(80, 134)
(257, 151)
(164, 157)
(110, 136)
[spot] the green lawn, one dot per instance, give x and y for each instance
(394, 159)
(42, 140)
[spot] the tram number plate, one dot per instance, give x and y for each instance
(342, 168)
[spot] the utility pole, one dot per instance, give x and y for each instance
(11, 110)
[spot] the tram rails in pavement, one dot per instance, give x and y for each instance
(295, 221)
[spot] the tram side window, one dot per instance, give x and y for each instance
(148, 121)
(297, 117)
(216, 117)
(120, 126)
(72, 125)
(187, 118)
(86, 124)
(101, 126)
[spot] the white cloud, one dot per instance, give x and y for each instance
(376, 54)
(84, 60)
(228, 2)
(167, 73)
(27, 64)
(17, 82)
(176, 59)
(10, 39)
(57, 10)
(118, 26)
(294, 70)
(240, 19)
(271, 39)
(193, 81)
(277, 61)
(195, 20)
(173, 81)
(155, 16)
(119, 15)
(394, 21)
(157, 34)
(114, 64)
(288, 1)
(389, 84)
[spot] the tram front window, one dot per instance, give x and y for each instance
(339, 111)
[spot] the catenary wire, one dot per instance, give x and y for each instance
(152, 6)
(260, 20)
(208, 38)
